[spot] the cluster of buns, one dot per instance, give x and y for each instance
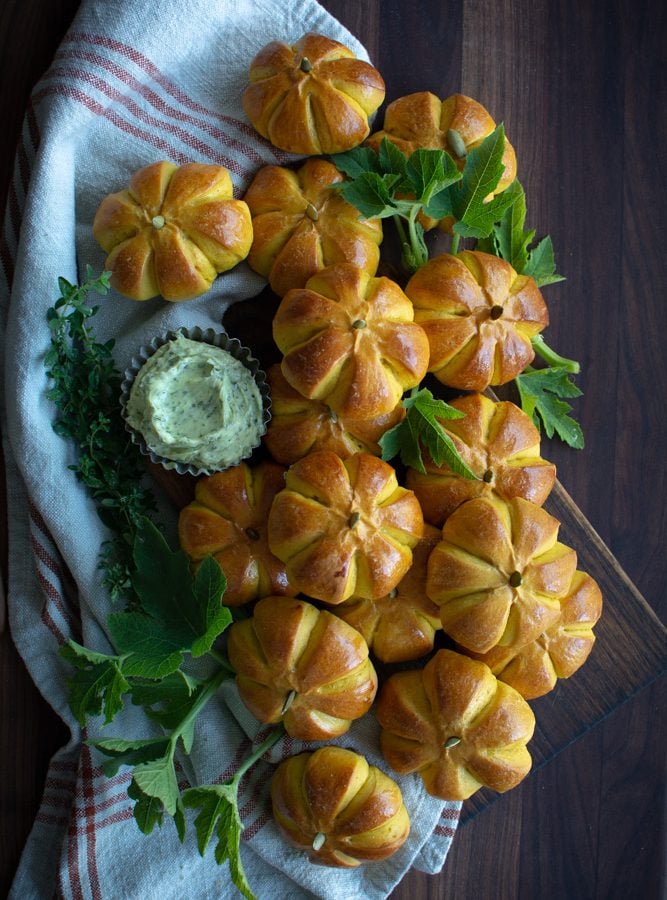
(339, 558)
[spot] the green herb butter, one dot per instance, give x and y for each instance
(195, 403)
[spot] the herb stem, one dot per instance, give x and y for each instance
(210, 689)
(456, 240)
(552, 358)
(222, 660)
(272, 738)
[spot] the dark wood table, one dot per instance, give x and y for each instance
(581, 88)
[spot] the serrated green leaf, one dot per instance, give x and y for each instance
(482, 172)
(158, 779)
(511, 238)
(174, 697)
(391, 159)
(540, 392)
(130, 752)
(210, 584)
(219, 815)
(429, 172)
(151, 649)
(148, 811)
(179, 820)
(541, 264)
(421, 426)
(371, 194)
(357, 161)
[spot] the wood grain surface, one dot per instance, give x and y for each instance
(581, 88)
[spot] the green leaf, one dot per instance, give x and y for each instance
(482, 172)
(541, 392)
(151, 649)
(357, 162)
(175, 696)
(158, 779)
(178, 614)
(371, 194)
(148, 811)
(219, 815)
(512, 240)
(541, 264)
(391, 159)
(130, 752)
(421, 426)
(430, 172)
(210, 585)
(98, 684)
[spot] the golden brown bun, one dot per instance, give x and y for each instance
(499, 573)
(422, 120)
(228, 519)
(301, 225)
(479, 316)
(172, 231)
(499, 442)
(344, 527)
(401, 625)
(312, 98)
(559, 651)
(349, 340)
(356, 810)
(456, 725)
(298, 425)
(301, 666)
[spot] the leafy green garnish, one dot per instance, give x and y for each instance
(421, 426)
(475, 216)
(219, 815)
(512, 242)
(542, 392)
(388, 184)
(85, 391)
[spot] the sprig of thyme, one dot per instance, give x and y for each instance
(85, 391)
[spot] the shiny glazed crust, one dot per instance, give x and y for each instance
(344, 527)
(479, 316)
(312, 98)
(349, 340)
(456, 725)
(499, 442)
(356, 809)
(172, 231)
(301, 666)
(299, 426)
(228, 519)
(401, 625)
(300, 225)
(559, 651)
(499, 573)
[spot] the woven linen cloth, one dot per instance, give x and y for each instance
(133, 83)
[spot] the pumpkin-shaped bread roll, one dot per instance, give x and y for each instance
(228, 519)
(401, 625)
(479, 316)
(172, 231)
(344, 527)
(312, 98)
(349, 340)
(301, 225)
(456, 725)
(559, 651)
(457, 124)
(499, 573)
(338, 808)
(500, 444)
(303, 667)
(299, 426)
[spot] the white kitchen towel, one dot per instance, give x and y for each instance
(130, 84)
